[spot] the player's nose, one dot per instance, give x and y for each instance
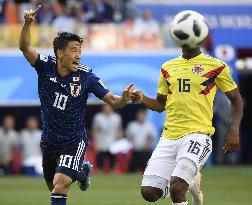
(78, 55)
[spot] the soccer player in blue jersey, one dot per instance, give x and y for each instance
(63, 86)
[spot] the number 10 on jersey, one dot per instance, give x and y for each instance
(60, 101)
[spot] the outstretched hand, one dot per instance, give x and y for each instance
(127, 91)
(136, 96)
(231, 141)
(29, 15)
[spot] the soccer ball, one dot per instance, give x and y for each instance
(188, 29)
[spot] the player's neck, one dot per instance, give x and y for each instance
(62, 71)
(190, 53)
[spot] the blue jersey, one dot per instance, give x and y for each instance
(63, 100)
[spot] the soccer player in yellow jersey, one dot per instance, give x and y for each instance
(186, 90)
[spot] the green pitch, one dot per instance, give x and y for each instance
(221, 185)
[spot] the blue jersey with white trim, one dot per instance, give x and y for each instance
(63, 100)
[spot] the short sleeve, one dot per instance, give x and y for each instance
(224, 80)
(162, 84)
(41, 64)
(96, 86)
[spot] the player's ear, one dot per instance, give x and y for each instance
(59, 53)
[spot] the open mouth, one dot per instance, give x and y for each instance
(76, 63)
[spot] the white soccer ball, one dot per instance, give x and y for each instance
(189, 29)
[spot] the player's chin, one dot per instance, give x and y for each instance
(74, 68)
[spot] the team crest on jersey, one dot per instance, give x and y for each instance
(197, 69)
(75, 79)
(75, 89)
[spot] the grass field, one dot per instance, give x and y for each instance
(221, 185)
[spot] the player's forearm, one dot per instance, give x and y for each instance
(114, 101)
(153, 104)
(118, 102)
(25, 37)
(236, 113)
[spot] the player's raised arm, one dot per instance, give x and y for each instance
(157, 104)
(116, 101)
(25, 36)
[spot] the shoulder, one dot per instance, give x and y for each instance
(166, 65)
(99, 116)
(213, 60)
(38, 132)
(14, 134)
(84, 68)
(44, 61)
(46, 58)
(132, 125)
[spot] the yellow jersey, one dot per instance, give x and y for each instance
(190, 86)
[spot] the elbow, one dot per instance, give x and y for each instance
(113, 104)
(160, 110)
(22, 48)
(239, 103)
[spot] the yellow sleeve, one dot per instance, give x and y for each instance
(162, 84)
(224, 80)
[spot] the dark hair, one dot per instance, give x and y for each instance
(62, 39)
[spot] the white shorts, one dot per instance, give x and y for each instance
(195, 146)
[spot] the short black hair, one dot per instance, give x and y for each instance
(62, 39)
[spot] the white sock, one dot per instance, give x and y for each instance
(182, 203)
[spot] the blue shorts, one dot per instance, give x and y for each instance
(66, 159)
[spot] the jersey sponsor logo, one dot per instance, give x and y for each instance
(197, 69)
(43, 58)
(75, 89)
(175, 70)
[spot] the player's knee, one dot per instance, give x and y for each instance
(60, 187)
(178, 188)
(61, 183)
(151, 194)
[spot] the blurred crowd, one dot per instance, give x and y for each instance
(86, 11)
(124, 25)
(19, 149)
(111, 148)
